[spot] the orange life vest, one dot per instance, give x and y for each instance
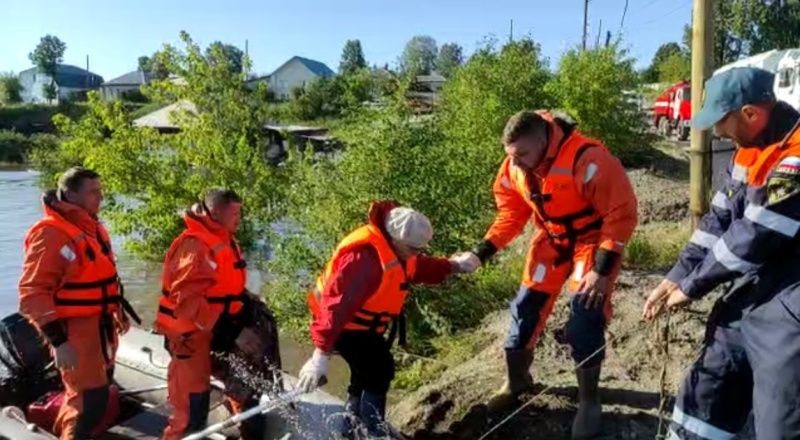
(227, 295)
(752, 165)
(386, 304)
(557, 205)
(94, 288)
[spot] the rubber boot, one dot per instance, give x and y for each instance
(518, 380)
(349, 419)
(587, 423)
(371, 410)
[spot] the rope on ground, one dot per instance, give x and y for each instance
(662, 341)
(663, 392)
(540, 393)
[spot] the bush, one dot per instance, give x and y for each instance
(588, 85)
(16, 147)
(340, 95)
(36, 118)
(10, 89)
(493, 85)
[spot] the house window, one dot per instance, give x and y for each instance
(785, 78)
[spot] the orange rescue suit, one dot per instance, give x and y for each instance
(93, 289)
(225, 295)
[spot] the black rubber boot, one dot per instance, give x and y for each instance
(587, 423)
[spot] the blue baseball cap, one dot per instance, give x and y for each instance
(731, 90)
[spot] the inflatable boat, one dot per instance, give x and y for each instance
(27, 374)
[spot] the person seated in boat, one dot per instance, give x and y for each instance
(359, 297)
(206, 312)
(70, 291)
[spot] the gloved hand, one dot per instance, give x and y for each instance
(466, 262)
(313, 372)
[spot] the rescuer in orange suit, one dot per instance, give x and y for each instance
(359, 298)
(582, 205)
(71, 292)
(203, 299)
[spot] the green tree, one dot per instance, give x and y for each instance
(450, 57)
(46, 57)
(10, 88)
(352, 58)
(149, 176)
(228, 54)
(588, 86)
(144, 63)
(155, 65)
(666, 50)
(676, 67)
(490, 87)
(419, 56)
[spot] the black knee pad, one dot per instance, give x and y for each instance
(585, 333)
(199, 404)
(95, 402)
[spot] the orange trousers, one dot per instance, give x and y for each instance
(189, 388)
(86, 386)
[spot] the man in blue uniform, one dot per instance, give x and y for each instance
(750, 359)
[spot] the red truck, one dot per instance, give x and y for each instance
(672, 111)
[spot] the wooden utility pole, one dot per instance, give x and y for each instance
(585, 22)
(511, 32)
(702, 51)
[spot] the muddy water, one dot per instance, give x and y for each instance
(20, 208)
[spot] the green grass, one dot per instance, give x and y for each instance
(451, 350)
(656, 245)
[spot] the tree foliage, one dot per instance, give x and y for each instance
(352, 58)
(10, 89)
(419, 56)
(588, 85)
(749, 27)
(155, 65)
(450, 57)
(665, 51)
(228, 54)
(676, 67)
(46, 57)
(494, 84)
(150, 177)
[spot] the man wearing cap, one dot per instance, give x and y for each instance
(750, 359)
(360, 296)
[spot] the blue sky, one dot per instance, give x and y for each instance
(114, 33)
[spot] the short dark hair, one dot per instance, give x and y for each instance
(522, 124)
(73, 178)
(218, 197)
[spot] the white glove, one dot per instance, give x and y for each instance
(315, 368)
(466, 262)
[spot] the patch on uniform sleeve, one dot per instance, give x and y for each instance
(784, 181)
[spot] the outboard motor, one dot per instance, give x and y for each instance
(26, 371)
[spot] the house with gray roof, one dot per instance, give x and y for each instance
(128, 83)
(70, 82)
(295, 73)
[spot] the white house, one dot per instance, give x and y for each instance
(295, 73)
(69, 81)
(130, 82)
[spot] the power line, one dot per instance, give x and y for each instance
(660, 17)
